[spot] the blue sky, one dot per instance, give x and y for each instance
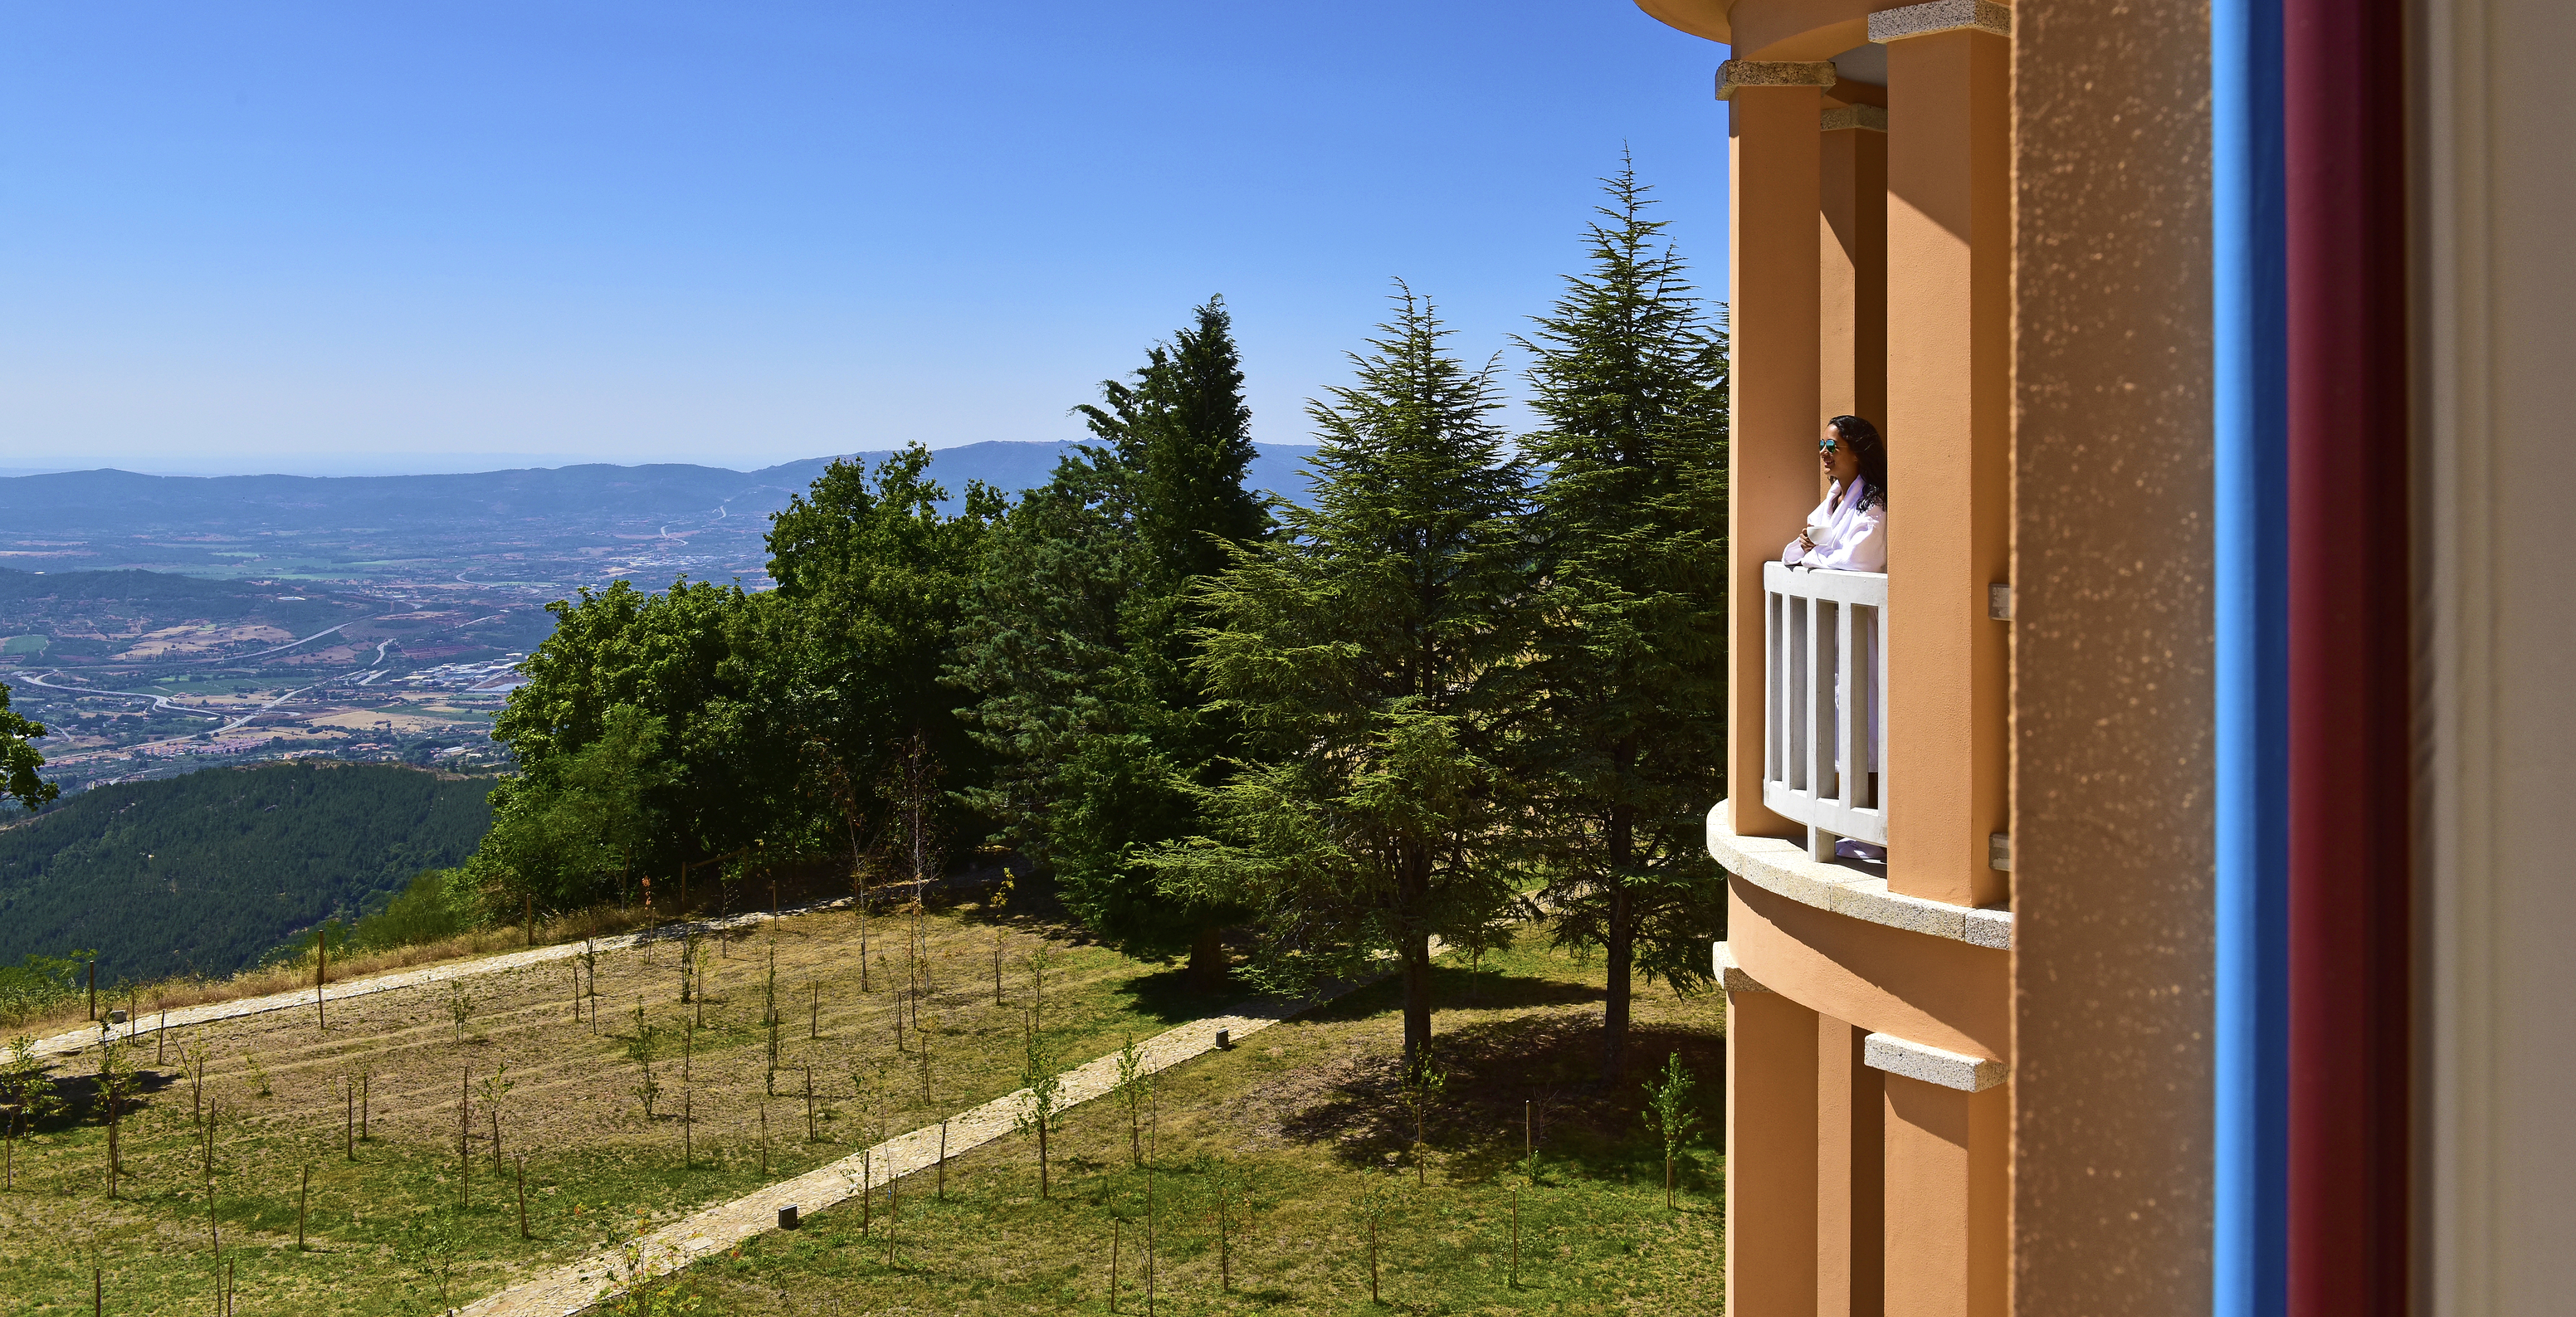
(342, 238)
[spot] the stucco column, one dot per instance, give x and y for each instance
(1948, 1181)
(1949, 235)
(1850, 1164)
(1851, 243)
(1770, 1155)
(1773, 160)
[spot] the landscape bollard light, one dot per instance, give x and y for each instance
(787, 1217)
(1224, 1040)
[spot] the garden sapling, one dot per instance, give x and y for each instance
(1670, 1114)
(1038, 1075)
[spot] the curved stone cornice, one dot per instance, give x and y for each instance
(1780, 866)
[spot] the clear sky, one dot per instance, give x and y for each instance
(341, 238)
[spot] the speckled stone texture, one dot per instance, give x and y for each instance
(1932, 1065)
(2113, 849)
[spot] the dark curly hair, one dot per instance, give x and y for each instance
(1872, 451)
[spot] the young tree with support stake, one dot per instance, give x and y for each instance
(1670, 1113)
(1374, 651)
(1627, 750)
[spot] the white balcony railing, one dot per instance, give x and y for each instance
(1824, 690)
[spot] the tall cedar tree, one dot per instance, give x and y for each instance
(1077, 643)
(872, 580)
(1372, 650)
(20, 760)
(1626, 751)
(644, 738)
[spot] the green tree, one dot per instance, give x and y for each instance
(647, 734)
(1671, 1114)
(594, 813)
(1626, 751)
(1373, 649)
(1078, 644)
(19, 760)
(872, 581)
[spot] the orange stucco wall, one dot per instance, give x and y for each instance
(1770, 1154)
(1851, 242)
(1851, 1169)
(1772, 455)
(1928, 989)
(1947, 1165)
(1949, 461)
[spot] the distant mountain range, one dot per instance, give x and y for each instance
(111, 501)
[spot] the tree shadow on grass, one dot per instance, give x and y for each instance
(1535, 1077)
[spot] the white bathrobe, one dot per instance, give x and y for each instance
(1850, 538)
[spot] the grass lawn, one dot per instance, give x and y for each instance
(1295, 1137)
(1294, 1130)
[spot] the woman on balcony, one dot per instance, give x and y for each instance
(1848, 531)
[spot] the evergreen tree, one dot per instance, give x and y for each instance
(1373, 650)
(1626, 752)
(1077, 644)
(20, 760)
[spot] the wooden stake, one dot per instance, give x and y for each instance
(764, 1139)
(943, 1159)
(523, 1197)
(532, 919)
(321, 956)
(1113, 1261)
(303, 1197)
(496, 1139)
(464, 1132)
(814, 1016)
(1515, 1279)
(810, 1132)
(349, 1116)
(93, 992)
(366, 1091)
(213, 1232)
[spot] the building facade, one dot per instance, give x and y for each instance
(2210, 705)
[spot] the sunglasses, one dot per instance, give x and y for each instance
(1825, 446)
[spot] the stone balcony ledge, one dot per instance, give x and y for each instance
(1782, 867)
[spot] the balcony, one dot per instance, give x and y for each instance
(1825, 690)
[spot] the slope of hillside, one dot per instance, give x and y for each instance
(204, 873)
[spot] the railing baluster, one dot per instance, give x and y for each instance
(1825, 696)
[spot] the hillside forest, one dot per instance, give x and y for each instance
(203, 874)
(1475, 675)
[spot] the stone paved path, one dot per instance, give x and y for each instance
(86, 1036)
(571, 1289)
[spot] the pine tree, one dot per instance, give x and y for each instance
(1372, 650)
(1626, 752)
(1077, 643)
